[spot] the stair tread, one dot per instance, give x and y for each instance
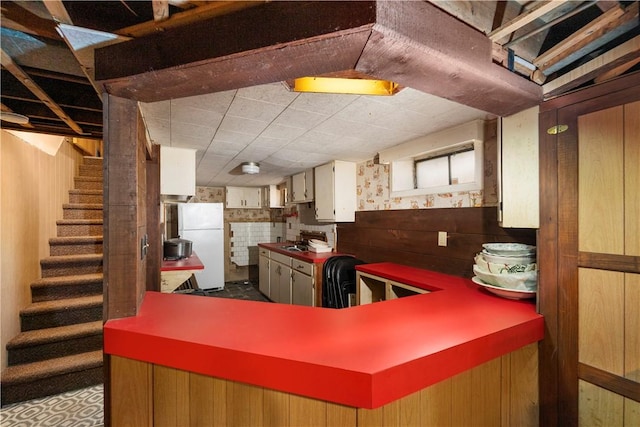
(89, 178)
(68, 259)
(68, 280)
(75, 239)
(59, 333)
(62, 304)
(79, 221)
(88, 206)
(26, 372)
(85, 191)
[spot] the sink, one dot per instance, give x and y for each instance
(295, 248)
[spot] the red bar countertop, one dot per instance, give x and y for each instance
(190, 263)
(364, 356)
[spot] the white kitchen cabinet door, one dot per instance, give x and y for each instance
(243, 197)
(518, 182)
(302, 187)
(335, 193)
(301, 289)
(263, 274)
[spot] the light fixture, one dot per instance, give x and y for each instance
(11, 117)
(250, 168)
(342, 85)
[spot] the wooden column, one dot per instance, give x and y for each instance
(154, 232)
(124, 208)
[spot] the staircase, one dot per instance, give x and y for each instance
(60, 346)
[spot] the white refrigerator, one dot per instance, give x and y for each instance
(203, 224)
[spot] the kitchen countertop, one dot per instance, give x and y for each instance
(364, 356)
(190, 263)
(306, 256)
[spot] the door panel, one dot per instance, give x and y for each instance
(632, 178)
(600, 182)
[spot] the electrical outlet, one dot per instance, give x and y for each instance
(442, 238)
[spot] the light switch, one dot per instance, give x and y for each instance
(442, 238)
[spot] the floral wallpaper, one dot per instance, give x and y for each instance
(373, 193)
(217, 194)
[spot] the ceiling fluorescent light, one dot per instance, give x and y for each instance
(348, 86)
(250, 168)
(11, 117)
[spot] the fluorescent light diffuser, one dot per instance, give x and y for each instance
(348, 86)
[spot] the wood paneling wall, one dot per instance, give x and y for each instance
(34, 186)
(410, 237)
(501, 392)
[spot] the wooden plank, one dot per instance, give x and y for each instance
(632, 178)
(131, 384)
(632, 327)
(599, 406)
(614, 383)
(621, 54)
(171, 397)
(436, 404)
(160, 10)
(629, 264)
(601, 177)
(586, 35)
(601, 316)
(276, 408)
(486, 394)
(541, 8)
(341, 416)
(202, 400)
(304, 411)
(631, 413)
(615, 72)
(244, 405)
(25, 79)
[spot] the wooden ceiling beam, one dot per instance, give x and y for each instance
(414, 44)
(25, 79)
(200, 13)
(622, 54)
(615, 72)
(541, 8)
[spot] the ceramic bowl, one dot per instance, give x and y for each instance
(510, 249)
(509, 260)
(527, 281)
(508, 267)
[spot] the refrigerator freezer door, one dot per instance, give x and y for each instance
(209, 246)
(198, 216)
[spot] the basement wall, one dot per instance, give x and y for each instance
(33, 188)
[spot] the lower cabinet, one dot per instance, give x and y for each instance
(263, 267)
(287, 280)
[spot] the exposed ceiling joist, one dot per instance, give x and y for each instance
(160, 10)
(541, 8)
(615, 72)
(609, 25)
(25, 79)
(610, 60)
(189, 16)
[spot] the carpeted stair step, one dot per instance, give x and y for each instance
(67, 265)
(62, 312)
(90, 170)
(88, 182)
(75, 245)
(49, 377)
(92, 161)
(50, 343)
(64, 287)
(82, 211)
(79, 227)
(85, 196)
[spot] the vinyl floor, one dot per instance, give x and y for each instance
(84, 407)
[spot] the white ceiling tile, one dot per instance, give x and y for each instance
(323, 103)
(255, 110)
(240, 125)
(275, 93)
(300, 119)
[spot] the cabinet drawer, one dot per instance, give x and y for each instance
(303, 267)
(265, 252)
(284, 259)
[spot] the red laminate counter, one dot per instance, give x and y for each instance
(190, 263)
(364, 356)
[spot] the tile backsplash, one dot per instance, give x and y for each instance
(245, 236)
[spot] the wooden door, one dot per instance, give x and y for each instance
(590, 262)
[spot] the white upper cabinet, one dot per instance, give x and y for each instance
(243, 197)
(335, 192)
(302, 187)
(518, 182)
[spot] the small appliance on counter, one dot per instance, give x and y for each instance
(175, 249)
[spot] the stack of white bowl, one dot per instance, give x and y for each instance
(319, 246)
(507, 265)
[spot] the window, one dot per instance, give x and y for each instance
(444, 162)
